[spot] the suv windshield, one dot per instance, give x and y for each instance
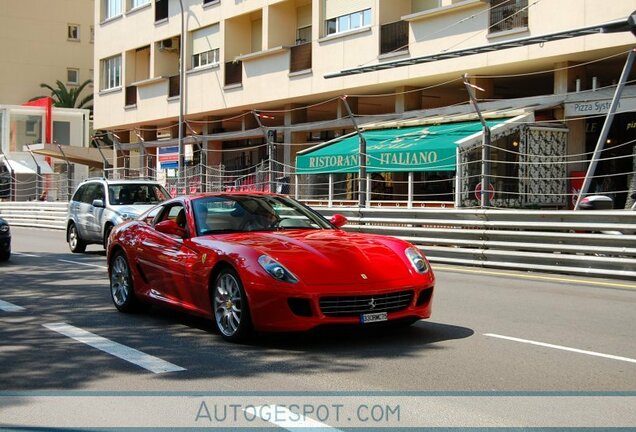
(132, 193)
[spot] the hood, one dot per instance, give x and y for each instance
(331, 257)
(133, 210)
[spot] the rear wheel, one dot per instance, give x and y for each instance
(231, 311)
(75, 242)
(121, 284)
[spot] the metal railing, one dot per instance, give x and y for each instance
(300, 57)
(394, 37)
(596, 243)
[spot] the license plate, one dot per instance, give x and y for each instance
(373, 317)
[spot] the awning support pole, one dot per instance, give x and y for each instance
(296, 178)
(368, 190)
(69, 174)
(270, 149)
(485, 147)
(330, 198)
(458, 179)
(600, 144)
(38, 173)
(409, 198)
(362, 173)
(101, 153)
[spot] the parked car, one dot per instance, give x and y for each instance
(259, 261)
(99, 204)
(5, 240)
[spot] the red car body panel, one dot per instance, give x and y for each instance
(327, 263)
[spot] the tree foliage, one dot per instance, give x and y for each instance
(69, 97)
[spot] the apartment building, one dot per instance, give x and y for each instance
(262, 81)
(42, 42)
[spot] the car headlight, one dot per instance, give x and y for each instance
(4, 228)
(417, 260)
(276, 269)
(127, 216)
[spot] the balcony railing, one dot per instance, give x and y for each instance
(233, 73)
(394, 37)
(173, 86)
(131, 95)
(508, 15)
(300, 57)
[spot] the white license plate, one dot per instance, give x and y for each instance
(373, 317)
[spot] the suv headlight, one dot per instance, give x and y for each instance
(276, 269)
(126, 216)
(4, 228)
(417, 260)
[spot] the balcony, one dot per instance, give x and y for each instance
(233, 73)
(300, 57)
(394, 37)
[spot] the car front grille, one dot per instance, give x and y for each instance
(344, 306)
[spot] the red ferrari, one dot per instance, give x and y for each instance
(258, 261)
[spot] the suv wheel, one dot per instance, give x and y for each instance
(75, 242)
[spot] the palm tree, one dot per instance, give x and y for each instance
(69, 98)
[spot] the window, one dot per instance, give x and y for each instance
(211, 1)
(133, 4)
(92, 34)
(205, 46)
(112, 8)
(73, 32)
(72, 76)
(161, 10)
(111, 73)
(303, 35)
(205, 58)
(508, 15)
(348, 22)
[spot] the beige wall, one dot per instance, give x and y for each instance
(33, 34)
(266, 78)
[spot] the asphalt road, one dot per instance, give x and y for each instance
(495, 337)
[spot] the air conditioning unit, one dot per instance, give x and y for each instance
(164, 135)
(168, 44)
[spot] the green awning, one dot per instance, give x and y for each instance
(420, 148)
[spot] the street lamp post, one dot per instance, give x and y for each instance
(181, 180)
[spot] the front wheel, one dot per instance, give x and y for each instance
(121, 284)
(75, 242)
(4, 256)
(231, 311)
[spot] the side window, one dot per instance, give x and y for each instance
(89, 192)
(151, 215)
(79, 192)
(99, 192)
(175, 212)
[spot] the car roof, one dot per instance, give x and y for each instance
(115, 182)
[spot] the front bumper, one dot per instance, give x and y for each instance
(287, 307)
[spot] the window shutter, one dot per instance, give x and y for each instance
(336, 8)
(206, 39)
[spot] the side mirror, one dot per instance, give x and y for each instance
(98, 203)
(338, 220)
(170, 227)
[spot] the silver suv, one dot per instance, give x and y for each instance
(100, 204)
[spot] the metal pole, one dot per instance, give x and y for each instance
(38, 173)
(12, 177)
(69, 176)
(606, 127)
(362, 172)
(270, 150)
(485, 147)
(181, 178)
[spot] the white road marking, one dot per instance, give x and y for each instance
(286, 419)
(25, 254)
(84, 264)
(146, 361)
(560, 347)
(10, 307)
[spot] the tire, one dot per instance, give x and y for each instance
(109, 228)
(122, 291)
(4, 256)
(75, 242)
(230, 308)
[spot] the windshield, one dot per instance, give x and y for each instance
(243, 213)
(136, 194)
